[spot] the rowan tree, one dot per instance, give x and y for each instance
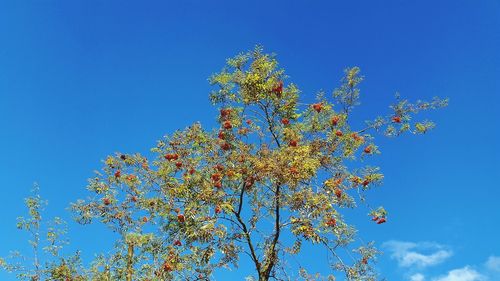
(47, 239)
(275, 176)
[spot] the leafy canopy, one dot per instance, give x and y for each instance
(274, 177)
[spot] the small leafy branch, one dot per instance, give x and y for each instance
(46, 241)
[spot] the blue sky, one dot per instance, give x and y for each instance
(82, 79)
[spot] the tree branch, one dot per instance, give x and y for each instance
(271, 256)
(245, 229)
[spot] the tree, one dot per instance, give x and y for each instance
(275, 176)
(47, 241)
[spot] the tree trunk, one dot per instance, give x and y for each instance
(130, 257)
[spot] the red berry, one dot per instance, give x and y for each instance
(317, 107)
(227, 125)
(365, 182)
(216, 177)
(375, 218)
(225, 146)
(396, 119)
(249, 121)
(225, 112)
(249, 182)
(177, 243)
(106, 201)
(339, 133)
(368, 150)
(178, 165)
(218, 184)
(285, 121)
(221, 135)
(338, 193)
(338, 181)
(293, 143)
(181, 218)
(381, 220)
(218, 209)
(145, 219)
(294, 170)
(357, 137)
(278, 89)
(134, 198)
(331, 222)
(219, 167)
(118, 174)
(192, 171)
(170, 157)
(243, 131)
(167, 266)
(356, 180)
(335, 120)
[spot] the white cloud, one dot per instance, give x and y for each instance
(493, 263)
(462, 274)
(422, 254)
(417, 277)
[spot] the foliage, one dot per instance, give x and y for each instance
(276, 176)
(46, 241)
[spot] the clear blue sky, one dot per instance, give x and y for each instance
(83, 79)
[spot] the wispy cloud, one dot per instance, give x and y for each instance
(493, 263)
(417, 277)
(421, 254)
(462, 274)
